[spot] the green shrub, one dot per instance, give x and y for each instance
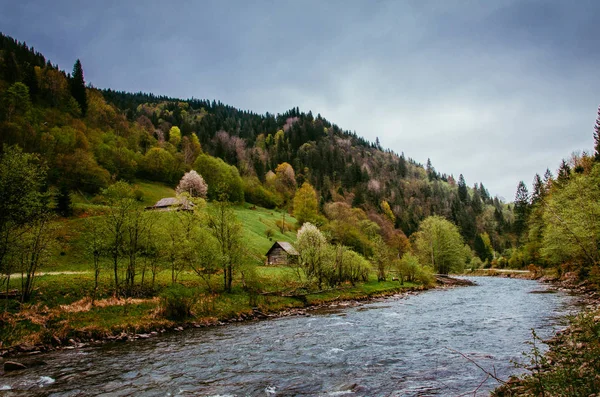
(269, 233)
(176, 302)
(424, 275)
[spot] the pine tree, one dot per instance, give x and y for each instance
(11, 70)
(430, 170)
(538, 189)
(64, 203)
(463, 194)
(521, 208)
(476, 202)
(548, 177)
(564, 171)
(485, 195)
(597, 137)
(78, 87)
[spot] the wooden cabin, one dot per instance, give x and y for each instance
(281, 253)
(172, 204)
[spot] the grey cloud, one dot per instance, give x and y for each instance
(496, 91)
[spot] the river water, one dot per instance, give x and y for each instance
(393, 347)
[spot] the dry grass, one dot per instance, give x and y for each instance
(86, 304)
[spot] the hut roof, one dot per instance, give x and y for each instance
(287, 247)
(173, 202)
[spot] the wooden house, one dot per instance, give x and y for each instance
(172, 204)
(281, 253)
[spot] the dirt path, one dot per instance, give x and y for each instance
(18, 275)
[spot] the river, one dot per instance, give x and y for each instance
(392, 347)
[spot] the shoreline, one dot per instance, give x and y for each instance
(563, 345)
(25, 354)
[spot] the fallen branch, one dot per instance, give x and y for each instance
(485, 371)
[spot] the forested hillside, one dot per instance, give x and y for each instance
(89, 138)
(558, 223)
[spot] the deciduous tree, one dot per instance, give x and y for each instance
(572, 219)
(227, 230)
(311, 245)
(193, 184)
(440, 245)
(306, 206)
(21, 200)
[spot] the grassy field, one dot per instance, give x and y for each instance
(61, 305)
(71, 254)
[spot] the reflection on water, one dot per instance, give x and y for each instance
(397, 347)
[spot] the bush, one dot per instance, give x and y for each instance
(256, 193)
(269, 233)
(221, 178)
(424, 275)
(284, 226)
(475, 263)
(176, 302)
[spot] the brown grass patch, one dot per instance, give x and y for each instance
(36, 314)
(85, 304)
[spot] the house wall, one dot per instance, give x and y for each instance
(277, 257)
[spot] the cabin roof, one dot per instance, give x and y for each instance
(287, 247)
(173, 202)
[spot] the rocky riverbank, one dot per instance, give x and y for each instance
(23, 356)
(571, 366)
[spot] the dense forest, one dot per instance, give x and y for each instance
(88, 139)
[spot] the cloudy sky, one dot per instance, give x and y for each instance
(495, 90)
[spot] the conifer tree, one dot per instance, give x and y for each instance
(78, 87)
(538, 189)
(548, 177)
(463, 194)
(521, 208)
(597, 137)
(564, 171)
(430, 170)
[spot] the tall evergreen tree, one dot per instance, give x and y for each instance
(597, 137)
(521, 208)
(78, 87)
(463, 194)
(538, 189)
(485, 195)
(548, 177)
(476, 203)
(11, 70)
(430, 170)
(564, 171)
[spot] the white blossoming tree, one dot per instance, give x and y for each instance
(193, 184)
(311, 246)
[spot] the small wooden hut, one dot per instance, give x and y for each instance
(172, 204)
(281, 253)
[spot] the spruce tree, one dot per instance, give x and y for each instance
(476, 202)
(564, 171)
(463, 193)
(521, 208)
(64, 203)
(597, 137)
(78, 87)
(538, 189)
(548, 177)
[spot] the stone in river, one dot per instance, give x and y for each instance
(13, 366)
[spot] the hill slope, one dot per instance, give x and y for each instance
(130, 136)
